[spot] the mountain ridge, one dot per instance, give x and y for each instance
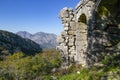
(45, 40)
(10, 43)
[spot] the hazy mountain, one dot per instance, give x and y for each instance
(10, 43)
(45, 40)
(24, 34)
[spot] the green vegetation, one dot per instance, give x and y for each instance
(41, 66)
(21, 67)
(110, 70)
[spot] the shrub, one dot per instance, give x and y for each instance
(21, 67)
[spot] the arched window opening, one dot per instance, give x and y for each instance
(82, 19)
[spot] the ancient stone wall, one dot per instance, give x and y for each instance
(90, 33)
(68, 36)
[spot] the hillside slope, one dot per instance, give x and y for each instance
(10, 43)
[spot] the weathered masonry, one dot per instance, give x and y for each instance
(90, 33)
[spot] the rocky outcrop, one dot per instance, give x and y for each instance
(10, 43)
(90, 33)
(45, 40)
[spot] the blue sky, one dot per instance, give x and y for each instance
(33, 15)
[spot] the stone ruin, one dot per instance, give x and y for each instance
(87, 36)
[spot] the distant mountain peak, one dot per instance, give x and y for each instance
(24, 34)
(45, 40)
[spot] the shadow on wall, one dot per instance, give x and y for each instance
(105, 34)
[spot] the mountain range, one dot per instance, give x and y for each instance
(45, 40)
(11, 43)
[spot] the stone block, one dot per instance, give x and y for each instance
(66, 40)
(63, 44)
(73, 53)
(71, 49)
(66, 28)
(71, 32)
(72, 26)
(64, 13)
(71, 41)
(73, 19)
(63, 21)
(60, 39)
(63, 33)
(66, 24)
(70, 44)
(71, 16)
(68, 19)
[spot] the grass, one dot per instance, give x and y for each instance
(40, 66)
(110, 71)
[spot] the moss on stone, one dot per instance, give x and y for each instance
(103, 12)
(119, 26)
(108, 10)
(109, 44)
